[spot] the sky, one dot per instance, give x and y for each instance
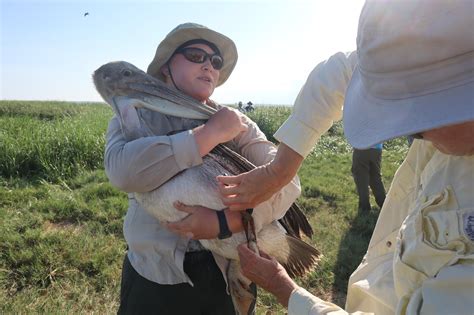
(49, 49)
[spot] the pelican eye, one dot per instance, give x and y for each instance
(126, 73)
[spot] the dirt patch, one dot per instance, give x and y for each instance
(62, 226)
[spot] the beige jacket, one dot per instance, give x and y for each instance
(420, 259)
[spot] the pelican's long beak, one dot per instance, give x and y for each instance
(154, 94)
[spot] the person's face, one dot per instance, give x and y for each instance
(198, 80)
(454, 140)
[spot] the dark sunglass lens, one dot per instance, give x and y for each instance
(195, 55)
(198, 55)
(217, 62)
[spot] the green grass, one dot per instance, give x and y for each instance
(48, 143)
(61, 243)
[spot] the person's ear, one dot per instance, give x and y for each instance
(165, 71)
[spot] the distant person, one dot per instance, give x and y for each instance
(366, 170)
(413, 74)
(249, 107)
(241, 109)
(164, 271)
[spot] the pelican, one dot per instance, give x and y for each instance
(126, 88)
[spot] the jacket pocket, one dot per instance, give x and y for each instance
(431, 238)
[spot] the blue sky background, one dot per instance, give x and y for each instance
(49, 49)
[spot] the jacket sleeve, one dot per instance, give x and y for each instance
(254, 145)
(304, 303)
(144, 164)
(318, 104)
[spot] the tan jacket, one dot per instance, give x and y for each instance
(420, 259)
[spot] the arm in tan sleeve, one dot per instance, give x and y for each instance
(304, 303)
(318, 104)
(254, 145)
(268, 274)
(144, 164)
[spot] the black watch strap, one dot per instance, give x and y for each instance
(224, 231)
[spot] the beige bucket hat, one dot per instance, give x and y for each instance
(415, 69)
(189, 31)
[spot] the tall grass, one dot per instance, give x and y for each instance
(51, 140)
(61, 243)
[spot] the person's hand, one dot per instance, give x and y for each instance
(226, 124)
(267, 273)
(223, 126)
(247, 190)
(201, 223)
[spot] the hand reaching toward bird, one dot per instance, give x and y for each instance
(247, 190)
(267, 273)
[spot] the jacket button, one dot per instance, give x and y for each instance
(389, 244)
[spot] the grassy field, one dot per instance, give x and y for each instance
(61, 242)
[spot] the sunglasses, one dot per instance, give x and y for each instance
(198, 55)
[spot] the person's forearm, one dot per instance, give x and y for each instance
(281, 285)
(267, 273)
(282, 291)
(319, 103)
(132, 166)
(204, 139)
(249, 189)
(234, 221)
(285, 165)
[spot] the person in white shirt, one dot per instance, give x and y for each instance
(412, 74)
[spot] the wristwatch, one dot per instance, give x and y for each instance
(224, 231)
